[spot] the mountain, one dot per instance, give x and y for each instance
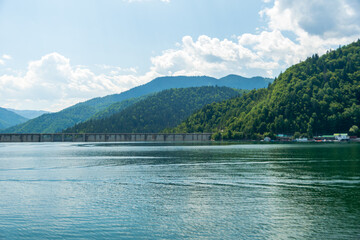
(9, 118)
(165, 109)
(56, 122)
(318, 96)
(117, 107)
(29, 114)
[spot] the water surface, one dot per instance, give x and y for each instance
(179, 191)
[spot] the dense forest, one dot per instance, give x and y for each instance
(318, 96)
(159, 111)
(117, 107)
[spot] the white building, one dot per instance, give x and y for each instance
(341, 137)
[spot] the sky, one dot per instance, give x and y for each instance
(55, 53)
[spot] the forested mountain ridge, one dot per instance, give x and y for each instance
(9, 118)
(117, 107)
(159, 111)
(318, 96)
(56, 122)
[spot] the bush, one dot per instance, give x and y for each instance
(297, 135)
(354, 131)
(216, 136)
(270, 135)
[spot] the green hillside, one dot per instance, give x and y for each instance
(318, 96)
(9, 118)
(159, 111)
(117, 107)
(97, 107)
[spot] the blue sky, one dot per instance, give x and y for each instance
(116, 32)
(55, 53)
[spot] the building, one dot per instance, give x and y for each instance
(341, 137)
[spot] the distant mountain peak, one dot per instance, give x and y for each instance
(30, 114)
(233, 75)
(9, 118)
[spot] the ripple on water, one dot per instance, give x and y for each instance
(172, 191)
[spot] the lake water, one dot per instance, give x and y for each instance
(179, 191)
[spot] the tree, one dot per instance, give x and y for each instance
(354, 131)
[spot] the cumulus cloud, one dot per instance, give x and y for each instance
(51, 83)
(325, 19)
(6, 56)
(315, 26)
(210, 56)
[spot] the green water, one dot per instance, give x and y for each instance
(179, 191)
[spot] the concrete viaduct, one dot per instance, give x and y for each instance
(103, 137)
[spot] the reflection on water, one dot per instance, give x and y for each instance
(154, 191)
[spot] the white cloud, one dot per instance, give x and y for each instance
(115, 70)
(51, 83)
(6, 56)
(326, 19)
(209, 56)
(315, 26)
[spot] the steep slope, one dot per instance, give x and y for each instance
(56, 122)
(29, 114)
(9, 118)
(117, 107)
(318, 96)
(162, 110)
